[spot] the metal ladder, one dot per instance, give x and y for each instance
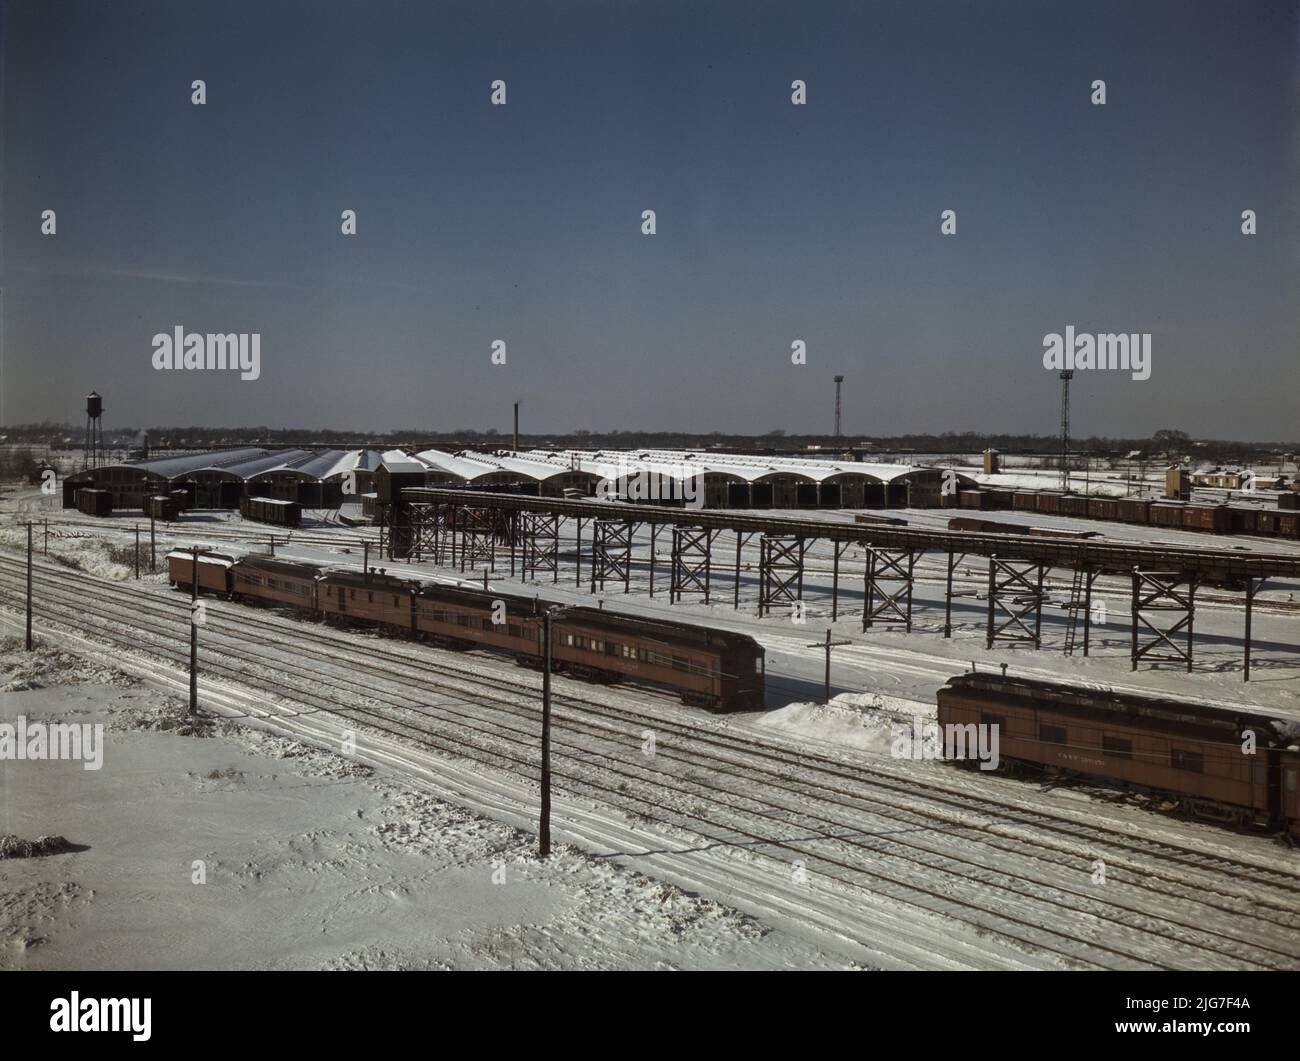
(1073, 605)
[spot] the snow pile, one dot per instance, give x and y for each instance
(863, 721)
(45, 668)
(16, 847)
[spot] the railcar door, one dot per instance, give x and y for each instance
(342, 598)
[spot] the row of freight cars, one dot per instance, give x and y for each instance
(168, 507)
(1181, 515)
(717, 669)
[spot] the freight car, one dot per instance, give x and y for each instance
(1214, 518)
(94, 502)
(1074, 505)
(165, 507)
(1189, 752)
(1133, 510)
(270, 510)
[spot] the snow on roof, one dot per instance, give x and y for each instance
(204, 558)
(679, 464)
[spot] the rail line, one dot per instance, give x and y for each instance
(820, 823)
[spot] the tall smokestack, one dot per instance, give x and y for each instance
(838, 381)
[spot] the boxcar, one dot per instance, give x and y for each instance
(1243, 520)
(270, 510)
(999, 499)
(1074, 505)
(1134, 509)
(1190, 751)
(1167, 514)
(214, 570)
(275, 581)
(1103, 508)
(1288, 500)
(1025, 501)
(1266, 521)
(1214, 518)
(94, 502)
(1288, 524)
(971, 499)
(1049, 503)
(162, 506)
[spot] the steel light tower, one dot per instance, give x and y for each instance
(1066, 376)
(838, 381)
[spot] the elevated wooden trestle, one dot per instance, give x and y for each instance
(467, 527)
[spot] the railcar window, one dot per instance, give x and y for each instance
(1192, 762)
(1117, 747)
(681, 663)
(1051, 734)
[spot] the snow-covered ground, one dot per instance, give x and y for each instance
(308, 859)
(881, 677)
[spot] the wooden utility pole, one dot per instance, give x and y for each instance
(153, 546)
(828, 644)
(544, 829)
(29, 586)
(194, 633)
(137, 551)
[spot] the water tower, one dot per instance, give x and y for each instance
(94, 430)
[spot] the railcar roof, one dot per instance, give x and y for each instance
(1104, 699)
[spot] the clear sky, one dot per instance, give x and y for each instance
(775, 222)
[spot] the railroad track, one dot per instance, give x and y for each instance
(821, 825)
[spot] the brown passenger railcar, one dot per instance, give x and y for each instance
(275, 581)
(214, 570)
(707, 667)
(367, 597)
(1193, 752)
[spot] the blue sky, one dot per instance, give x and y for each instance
(775, 222)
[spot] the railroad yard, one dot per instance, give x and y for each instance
(802, 837)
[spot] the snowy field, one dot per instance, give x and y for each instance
(843, 856)
(311, 860)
